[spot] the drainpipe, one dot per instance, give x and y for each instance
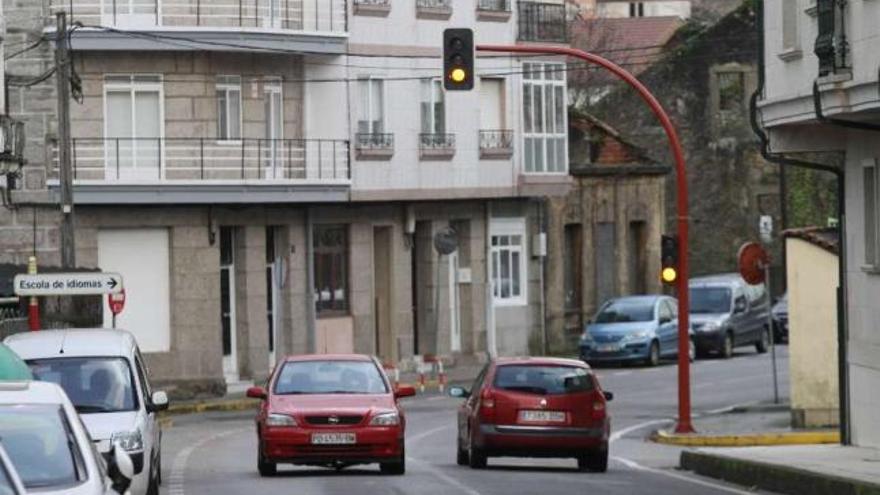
(782, 160)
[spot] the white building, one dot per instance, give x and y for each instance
(834, 44)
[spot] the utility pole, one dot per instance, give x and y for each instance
(62, 77)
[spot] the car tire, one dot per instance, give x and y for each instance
(397, 467)
(265, 467)
(727, 346)
(461, 457)
(153, 483)
(596, 461)
(763, 344)
(477, 458)
(653, 354)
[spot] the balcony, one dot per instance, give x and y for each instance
(542, 22)
(436, 146)
(496, 144)
(204, 170)
(375, 8)
(374, 146)
(315, 26)
(493, 10)
(434, 9)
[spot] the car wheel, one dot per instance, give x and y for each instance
(461, 457)
(727, 346)
(265, 467)
(763, 344)
(654, 354)
(477, 458)
(397, 467)
(153, 483)
(595, 461)
(692, 351)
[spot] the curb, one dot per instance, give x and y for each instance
(773, 477)
(746, 440)
(214, 406)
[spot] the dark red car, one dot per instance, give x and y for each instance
(330, 410)
(534, 407)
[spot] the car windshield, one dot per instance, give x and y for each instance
(623, 311)
(330, 377)
(40, 445)
(94, 385)
(543, 380)
(710, 300)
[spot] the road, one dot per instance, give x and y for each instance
(215, 453)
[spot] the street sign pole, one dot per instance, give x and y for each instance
(772, 336)
(33, 303)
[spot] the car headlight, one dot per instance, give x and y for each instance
(385, 419)
(280, 420)
(586, 337)
(130, 441)
(636, 336)
(710, 326)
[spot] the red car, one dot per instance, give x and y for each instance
(330, 410)
(534, 407)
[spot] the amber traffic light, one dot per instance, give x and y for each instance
(458, 59)
(669, 259)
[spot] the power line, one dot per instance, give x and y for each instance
(26, 49)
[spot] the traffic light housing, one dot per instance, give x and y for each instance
(669, 259)
(458, 59)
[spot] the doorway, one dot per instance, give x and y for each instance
(227, 303)
(638, 263)
(384, 334)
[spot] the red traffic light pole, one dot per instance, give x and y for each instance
(684, 424)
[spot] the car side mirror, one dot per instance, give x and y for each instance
(120, 470)
(256, 393)
(404, 391)
(608, 396)
(459, 392)
(159, 401)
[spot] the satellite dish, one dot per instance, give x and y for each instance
(446, 241)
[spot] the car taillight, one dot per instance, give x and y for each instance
(487, 406)
(598, 407)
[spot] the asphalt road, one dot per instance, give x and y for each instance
(216, 453)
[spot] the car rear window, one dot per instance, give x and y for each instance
(543, 380)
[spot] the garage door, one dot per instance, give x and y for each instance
(141, 257)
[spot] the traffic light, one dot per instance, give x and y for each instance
(458, 59)
(669, 259)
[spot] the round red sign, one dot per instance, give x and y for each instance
(753, 259)
(116, 302)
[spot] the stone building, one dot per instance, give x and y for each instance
(604, 236)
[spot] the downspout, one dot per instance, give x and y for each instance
(782, 160)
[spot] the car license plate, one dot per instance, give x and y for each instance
(334, 439)
(542, 416)
(608, 348)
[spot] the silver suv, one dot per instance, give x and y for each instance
(727, 313)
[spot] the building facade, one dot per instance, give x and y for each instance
(270, 178)
(821, 77)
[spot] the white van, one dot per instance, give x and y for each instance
(105, 377)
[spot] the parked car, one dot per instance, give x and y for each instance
(46, 449)
(635, 328)
(726, 313)
(332, 411)
(780, 319)
(103, 373)
(534, 407)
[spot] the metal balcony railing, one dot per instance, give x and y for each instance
(494, 5)
(496, 140)
(434, 4)
(542, 22)
(207, 159)
(293, 15)
(374, 141)
(372, 2)
(437, 141)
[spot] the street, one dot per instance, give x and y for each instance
(216, 453)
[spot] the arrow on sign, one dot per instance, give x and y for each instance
(112, 283)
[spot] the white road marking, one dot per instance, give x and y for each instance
(426, 434)
(177, 479)
(617, 435)
(444, 477)
(669, 474)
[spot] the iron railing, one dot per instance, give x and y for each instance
(374, 141)
(207, 159)
(542, 22)
(437, 141)
(434, 4)
(372, 2)
(496, 140)
(494, 5)
(294, 15)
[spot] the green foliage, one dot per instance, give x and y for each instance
(811, 198)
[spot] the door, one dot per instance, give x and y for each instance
(468, 418)
(272, 14)
(152, 433)
(491, 104)
(739, 321)
(454, 304)
(384, 335)
(638, 260)
(273, 103)
(605, 262)
(668, 331)
(133, 128)
(227, 303)
(131, 13)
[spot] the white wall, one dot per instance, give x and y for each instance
(676, 8)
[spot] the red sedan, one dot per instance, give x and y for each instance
(330, 410)
(534, 407)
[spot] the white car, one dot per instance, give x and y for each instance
(104, 375)
(46, 448)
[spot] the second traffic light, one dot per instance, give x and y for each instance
(669, 259)
(458, 59)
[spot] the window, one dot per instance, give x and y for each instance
(433, 108)
(133, 126)
(371, 111)
(543, 380)
(871, 237)
(637, 9)
(331, 268)
(508, 261)
(790, 25)
(229, 108)
(664, 312)
(544, 118)
(93, 384)
(731, 91)
(572, 264)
